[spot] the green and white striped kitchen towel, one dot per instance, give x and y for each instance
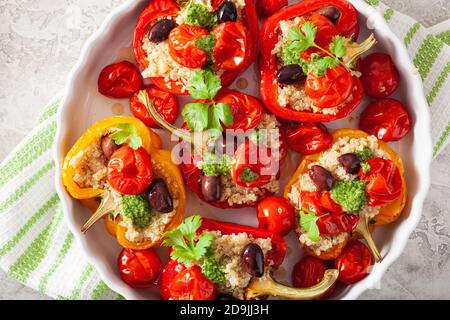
(36, 247)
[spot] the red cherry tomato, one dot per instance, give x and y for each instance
(387, 119)
(165, 103)
(182, 46)
(266, 8)
(334, 223)
(180, 283)
(384, 181)
(380, 77)
(308, 272)
(120, 80)
(139, 269)
(130, 171)
(254, 165)
(277, 215)
(231, 51)
(354, 262)
(326, 30)
(328, 203)
(331, 89)
(247, 110)
(308, 138)
(311, 201)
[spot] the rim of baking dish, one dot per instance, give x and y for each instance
(422, 155)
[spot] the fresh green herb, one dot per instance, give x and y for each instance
(365, 166)
(188, 247)
(248, 175)
(365, 154)
(207, 44)
(199, 15)
(289, 54)
(212, 269)
(319, 65)
(126, 132)
(308, 222)
(338, 46)
(351, 195)
(137, 209)
(183, 242)
(204, 85)
(214, 166)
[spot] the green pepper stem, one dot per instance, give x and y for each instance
(107, 206)
(363, 230)
(267, 286)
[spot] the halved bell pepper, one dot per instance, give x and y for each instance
(346, 25)
(161, 9)
(388, 213)
(163, 168)
(257, 288)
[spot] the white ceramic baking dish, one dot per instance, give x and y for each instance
(83, 105)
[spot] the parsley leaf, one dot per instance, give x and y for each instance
(220, 113)
(196, 116)
(126, 132)
(320, 65)
(310, 31)
(365, 154)
(204, 85)
(338, 47)
(183, 242)
(365, 166)
(308, 221)
(248, 175)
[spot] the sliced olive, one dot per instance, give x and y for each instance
(351, 162)
(161, 30)
(159, 197)
(331, 12)
(290, 74)
(211, 188)
(109, 147)
(227, 12)
(322, 178)
(253, 260)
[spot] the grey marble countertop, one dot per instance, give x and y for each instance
(40, 42)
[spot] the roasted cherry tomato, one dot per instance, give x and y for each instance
(165, 103)
(254, 165)
(326, 30)
(331, 89)
(384, 181)
(329, 204)
(354, 262)
(277, 215)
(130, 171)
(247, 110)
(311, 201)
(308, 272)
(334, 223)
(120, 80)
(231, 51)
(308, 138)
(387, 119)
(380, 77)
(266, 8)
(139, 269)
(182, 46)
(180, 283)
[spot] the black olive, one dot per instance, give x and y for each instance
(290, 74)
(253, 260)
(227, 12)
(322, 178)
(159, 197)
(109, 147)
(211, 188)
(331, 12)
(351, 162)
(161, 30)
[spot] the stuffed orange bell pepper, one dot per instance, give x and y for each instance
(356, 184)
(118, 170)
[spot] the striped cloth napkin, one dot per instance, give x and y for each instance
(36, 247)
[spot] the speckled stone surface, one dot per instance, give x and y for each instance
(40, 42)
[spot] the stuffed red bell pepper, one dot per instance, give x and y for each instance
(173, 39)
(308, 58)
(232, 149)
(212, 258)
